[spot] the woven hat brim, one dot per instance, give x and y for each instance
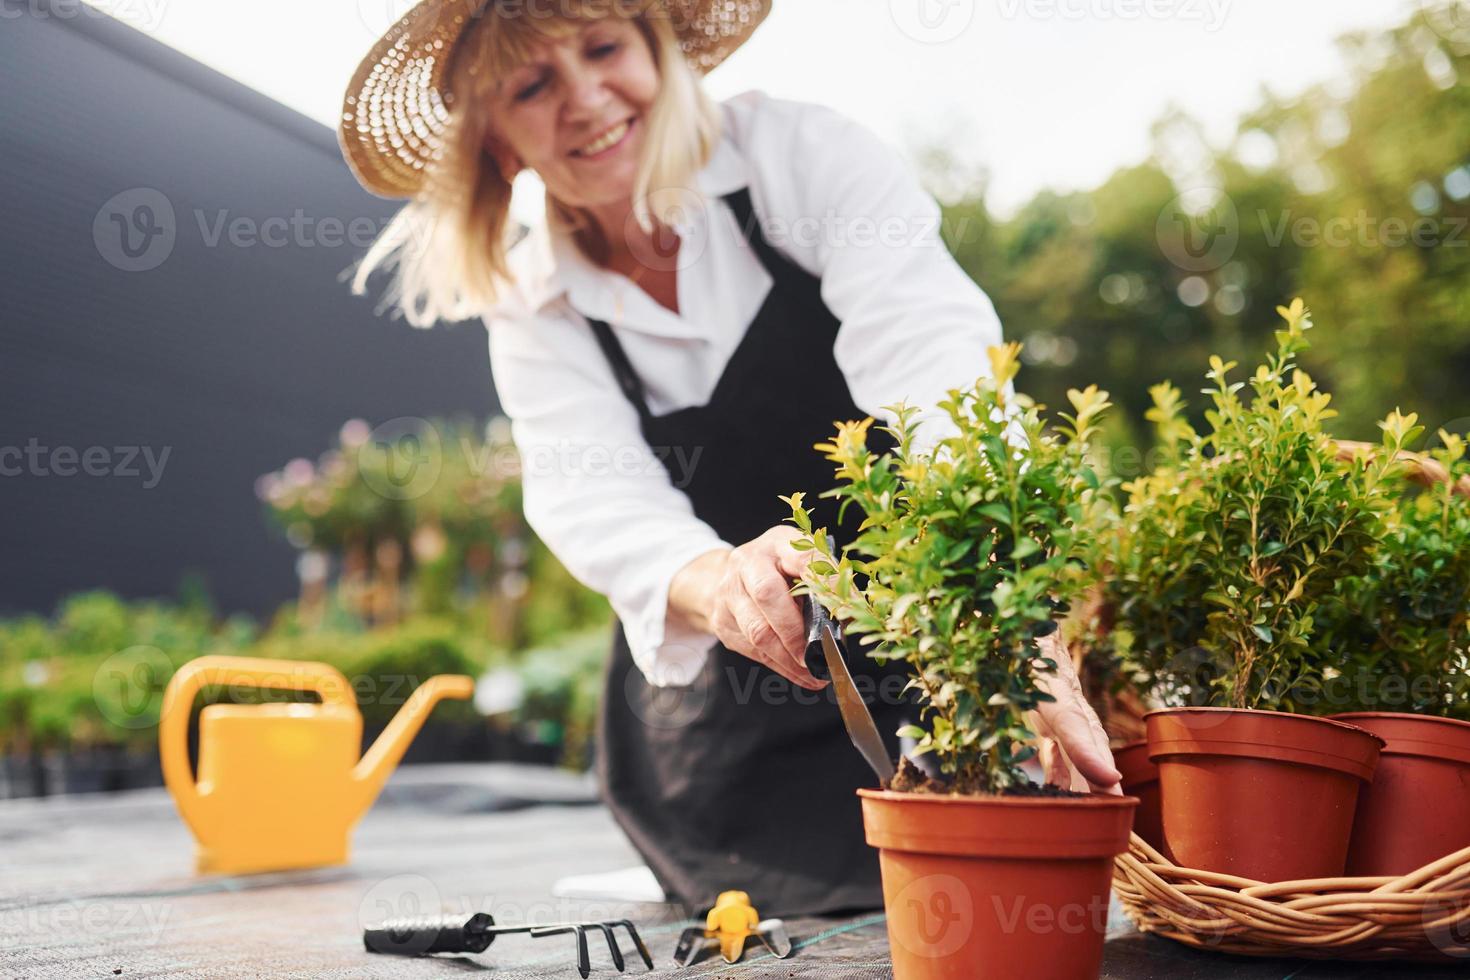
(396, 110)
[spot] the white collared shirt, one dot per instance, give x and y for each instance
(831, 197)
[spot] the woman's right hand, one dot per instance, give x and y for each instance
(746, 601)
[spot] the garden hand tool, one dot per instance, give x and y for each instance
(280, 785)
(730, 923)
(827, 652)
(456, 934)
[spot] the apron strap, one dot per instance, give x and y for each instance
(622, 368)
(777, 266)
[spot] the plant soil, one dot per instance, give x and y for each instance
(911, 779)
(1044, 790)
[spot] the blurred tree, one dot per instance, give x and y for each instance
(1355, 196)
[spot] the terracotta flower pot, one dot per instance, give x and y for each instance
(1417, 809)
(1259, 794)
(1141, 779)
(980, 887)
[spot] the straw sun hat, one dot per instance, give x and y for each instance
(396, 110)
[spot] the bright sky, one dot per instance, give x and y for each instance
(1041, 93)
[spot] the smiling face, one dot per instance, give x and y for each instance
(575, 110)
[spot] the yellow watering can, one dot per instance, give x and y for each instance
(280, 785)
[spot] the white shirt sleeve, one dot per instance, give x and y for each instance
(847, 208)
(594, 491)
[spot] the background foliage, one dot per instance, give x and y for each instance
(1317, 196)
(399, 581)
(1355, 196)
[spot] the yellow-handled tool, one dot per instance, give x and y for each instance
(730, 923)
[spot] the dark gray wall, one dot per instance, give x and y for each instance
(234, 358)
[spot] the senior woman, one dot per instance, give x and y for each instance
(712, 286)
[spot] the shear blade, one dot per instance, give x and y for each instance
(684, 951)
(773, 934)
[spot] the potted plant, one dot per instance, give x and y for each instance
(1225, 556)
(1404, 628)
(968, 550)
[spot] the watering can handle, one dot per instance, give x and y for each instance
(184, 686)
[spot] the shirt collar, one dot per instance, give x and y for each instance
(548, 265)
(726, 171)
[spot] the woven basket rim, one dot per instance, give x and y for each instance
(1409, 917)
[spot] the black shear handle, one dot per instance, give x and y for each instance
(817, 618)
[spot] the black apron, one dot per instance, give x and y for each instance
(741, 779)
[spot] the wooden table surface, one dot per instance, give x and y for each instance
(104, 886)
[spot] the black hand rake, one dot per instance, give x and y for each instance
(456, 934)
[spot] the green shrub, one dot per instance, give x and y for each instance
(968, 550)
(93, 622)
(557, 604)
(1401, 628)
(391, 664)
(1227, 554)
(96, 675)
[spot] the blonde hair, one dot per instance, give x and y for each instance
(449, 244)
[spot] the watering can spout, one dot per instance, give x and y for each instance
(380, 760)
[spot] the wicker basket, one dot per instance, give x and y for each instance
(1422, 916)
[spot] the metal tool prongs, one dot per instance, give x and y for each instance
(423, 935)
(730, 923)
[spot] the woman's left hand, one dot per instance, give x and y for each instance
(1074, 747)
